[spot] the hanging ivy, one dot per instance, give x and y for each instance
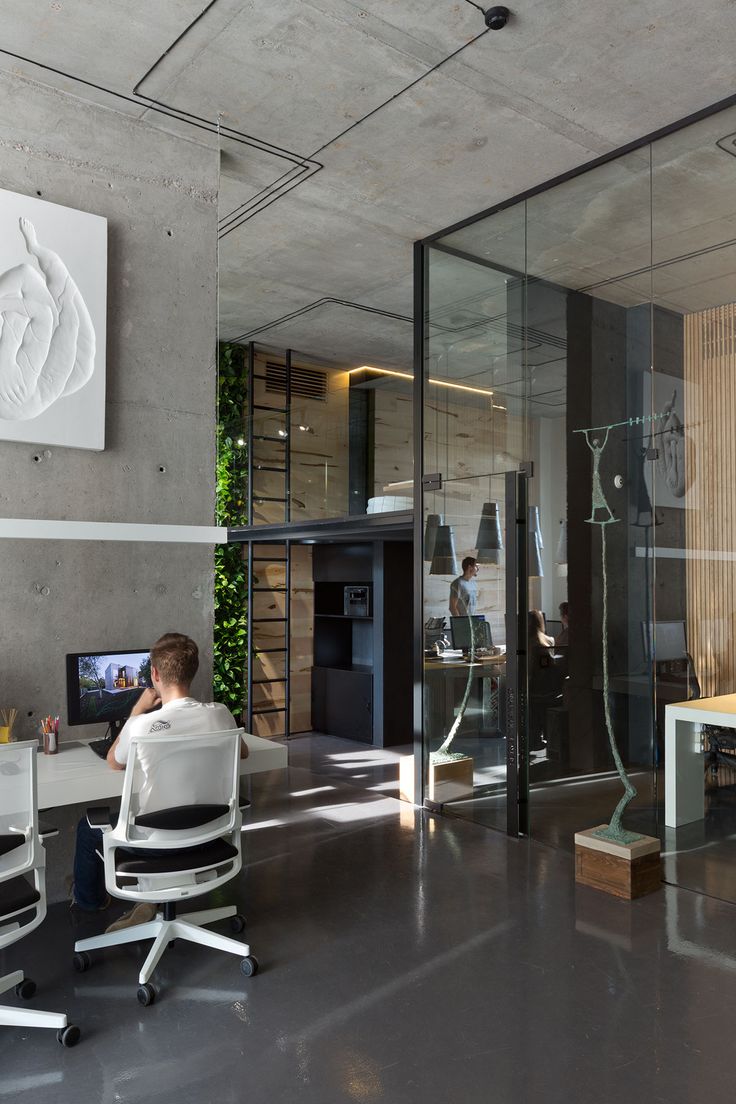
(231, 613)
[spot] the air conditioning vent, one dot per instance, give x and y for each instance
(306, 383)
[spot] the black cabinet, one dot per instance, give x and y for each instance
(342, 703)
(362, 674)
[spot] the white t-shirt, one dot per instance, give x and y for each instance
(466, 594)
(178, 784)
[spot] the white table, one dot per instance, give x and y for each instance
(684, 783)
(77, 776)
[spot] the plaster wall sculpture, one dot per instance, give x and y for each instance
(53, 275)
(671, 464)
(671, 479)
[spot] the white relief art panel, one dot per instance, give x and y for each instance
(53, 303)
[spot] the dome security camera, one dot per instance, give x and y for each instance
(496, 18)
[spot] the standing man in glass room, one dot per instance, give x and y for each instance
(464, 589)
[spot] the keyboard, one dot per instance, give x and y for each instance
(101, 747)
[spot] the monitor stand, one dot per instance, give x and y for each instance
(102, 747)
(114, 729)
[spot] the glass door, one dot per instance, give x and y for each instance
(474, 443)
(470, 654)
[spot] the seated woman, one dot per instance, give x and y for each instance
(538, 638)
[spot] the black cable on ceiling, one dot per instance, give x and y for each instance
(236, 222)
(303, 168)
(169, 112)
(326, 300)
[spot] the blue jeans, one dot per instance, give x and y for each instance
(89, 873)
(90, 893)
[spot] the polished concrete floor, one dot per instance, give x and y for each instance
(405, 958)
(700, 857)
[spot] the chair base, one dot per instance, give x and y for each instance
(190, 926)
(26, 1017)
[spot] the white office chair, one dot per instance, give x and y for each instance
(22, 904)
(177, 837)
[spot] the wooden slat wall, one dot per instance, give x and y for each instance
(265, 635)
(710, 418)
(319, 457)
(302, 637)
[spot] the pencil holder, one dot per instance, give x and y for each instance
(50, 743)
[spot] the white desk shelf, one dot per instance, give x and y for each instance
(684, 784)
(76, 776)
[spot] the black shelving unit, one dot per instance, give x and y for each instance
(362, 678)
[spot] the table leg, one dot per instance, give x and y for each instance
(684, 785)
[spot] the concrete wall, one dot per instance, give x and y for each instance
(159, 194)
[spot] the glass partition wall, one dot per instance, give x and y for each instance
(600, 312)
(475, 430)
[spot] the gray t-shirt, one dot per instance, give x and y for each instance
(466, 594)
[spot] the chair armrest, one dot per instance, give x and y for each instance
(100, 817)
(46, 831)
(243, 805)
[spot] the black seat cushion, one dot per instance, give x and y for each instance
(9, 842)
(182, 817)
(17, 894)
(213, 853)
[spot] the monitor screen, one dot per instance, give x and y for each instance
(103, 687)
(668, 641)
(460, 627)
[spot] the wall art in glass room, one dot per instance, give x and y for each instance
(53, 302)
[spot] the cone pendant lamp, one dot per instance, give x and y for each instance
(444, 560)
(489, 541)
(430, 534)
(536, 544)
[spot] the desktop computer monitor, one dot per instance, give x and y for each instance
(461, 629)
(103, 687)
(664, 640)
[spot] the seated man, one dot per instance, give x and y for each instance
(174, 663)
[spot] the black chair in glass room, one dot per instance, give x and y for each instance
(177, 837)
(23, 882)
(547, 674)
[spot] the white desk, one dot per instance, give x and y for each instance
(684, 784)
(77, 776)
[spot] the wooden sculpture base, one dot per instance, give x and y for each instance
(626, 870)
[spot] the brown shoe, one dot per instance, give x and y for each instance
(142, 913)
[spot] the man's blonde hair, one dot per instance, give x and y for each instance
(176, 658)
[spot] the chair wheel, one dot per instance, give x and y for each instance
(249, 965)
(146, 994)
(69, 1036)
(82, 962)
(25, 989)
(237, 923)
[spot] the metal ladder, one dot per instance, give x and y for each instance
(267, 704)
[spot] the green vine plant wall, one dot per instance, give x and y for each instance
(231, 612)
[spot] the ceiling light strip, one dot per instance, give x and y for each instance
(437, 382)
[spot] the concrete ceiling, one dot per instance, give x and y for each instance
(350, 131)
